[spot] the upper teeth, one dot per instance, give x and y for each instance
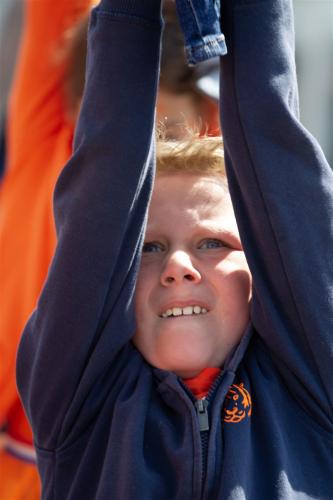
(184, 311)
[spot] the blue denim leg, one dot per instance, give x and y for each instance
(200, 23)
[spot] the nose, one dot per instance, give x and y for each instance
(179, 268)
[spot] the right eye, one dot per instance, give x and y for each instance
(152, 247)
(211, 244)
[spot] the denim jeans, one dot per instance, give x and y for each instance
(200, 23)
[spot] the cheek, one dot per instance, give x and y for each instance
(234, 277)
(144, 292)
(140, 296)
(243, 288)
(142, 282)
(141, 313)
(245, 277)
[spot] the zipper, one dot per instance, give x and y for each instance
(201, 406)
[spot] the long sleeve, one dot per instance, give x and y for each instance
(84, 320)
(282, 190)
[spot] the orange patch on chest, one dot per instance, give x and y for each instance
(237, 405)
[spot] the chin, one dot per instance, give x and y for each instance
(183, 351)
(185, 361)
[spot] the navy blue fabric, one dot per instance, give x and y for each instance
(200, 23)
(108, 425)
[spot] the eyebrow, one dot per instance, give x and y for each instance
(220, 230)
(212, 228)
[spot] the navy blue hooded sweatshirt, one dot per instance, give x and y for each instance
(106, 424)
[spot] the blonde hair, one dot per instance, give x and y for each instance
(193, 155)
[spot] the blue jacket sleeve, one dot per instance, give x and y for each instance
(84, 319)
(282, 190)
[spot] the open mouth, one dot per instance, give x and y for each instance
(183, 311)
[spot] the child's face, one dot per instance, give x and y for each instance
(192, 257)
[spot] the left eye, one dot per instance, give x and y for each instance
(152, 247)
(211, 243)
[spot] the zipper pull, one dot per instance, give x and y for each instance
(201, 407)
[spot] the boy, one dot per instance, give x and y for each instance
(113, 422)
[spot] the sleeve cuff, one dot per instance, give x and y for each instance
(149, 10)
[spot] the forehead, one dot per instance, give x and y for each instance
(188, 197)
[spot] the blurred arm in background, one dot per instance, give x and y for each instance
(39, 135)
(188, 95)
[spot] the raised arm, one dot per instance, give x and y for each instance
(84, 318)
(37, 111)
(282, 189)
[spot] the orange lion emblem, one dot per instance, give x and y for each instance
(237, 405)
